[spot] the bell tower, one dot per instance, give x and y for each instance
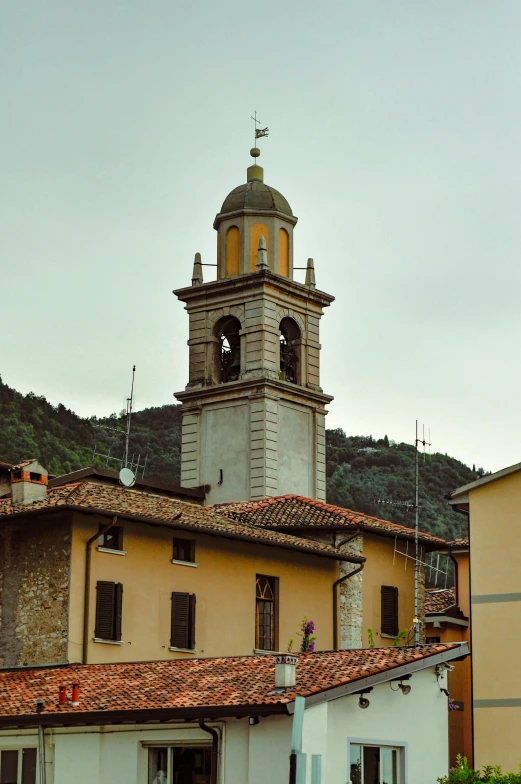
(253, 409)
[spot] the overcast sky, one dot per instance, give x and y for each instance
(394, 134)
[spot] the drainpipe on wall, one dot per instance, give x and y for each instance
(215, 749)
(335, 585)
(41, 753)
(86, 597)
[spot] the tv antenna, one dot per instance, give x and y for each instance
(128, 468)
(424, 443)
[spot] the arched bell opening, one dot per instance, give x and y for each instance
(290, 341)
(228, 349)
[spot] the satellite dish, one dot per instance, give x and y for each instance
(127, 478)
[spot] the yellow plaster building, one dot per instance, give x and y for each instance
(493, 504)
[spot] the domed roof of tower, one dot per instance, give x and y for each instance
(255, 194)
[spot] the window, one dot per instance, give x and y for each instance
(109, 605)
(111, 539)
(374, 764)
(169, 765)
(389, 610)
(184, 550)
(266, 613)
(433, 640)
(18, 766)
(182, 631)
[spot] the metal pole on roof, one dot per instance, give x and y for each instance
(417, 562)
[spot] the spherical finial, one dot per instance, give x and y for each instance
(254, 152)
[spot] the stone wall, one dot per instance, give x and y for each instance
(350, 599)
(34, 590)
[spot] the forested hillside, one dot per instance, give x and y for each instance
(375, 476)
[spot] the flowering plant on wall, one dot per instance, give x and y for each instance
(307, 627)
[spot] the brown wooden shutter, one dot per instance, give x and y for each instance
(105, 595)
(118, 610)
(389, 610)
(191, 641)
(180, 626)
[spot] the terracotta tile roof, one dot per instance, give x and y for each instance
(463, 543)
(111, 498)
(295, 511)
(196, 683)
(439, 599)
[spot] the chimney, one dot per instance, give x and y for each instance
(28, 482)
(285, 671)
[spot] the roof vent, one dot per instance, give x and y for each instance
(285, 671)
(28, 482)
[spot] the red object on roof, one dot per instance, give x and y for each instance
(299, 512)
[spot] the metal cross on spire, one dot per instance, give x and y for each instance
(259, 132)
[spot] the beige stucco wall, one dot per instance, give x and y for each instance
(384, 568)
(224, 584)
(495, 544)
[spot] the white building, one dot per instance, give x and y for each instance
(374, 715)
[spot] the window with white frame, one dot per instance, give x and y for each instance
(371, 764)
(18, 766)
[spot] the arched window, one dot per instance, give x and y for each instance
(289, 351)
(232, 251)
(228, 360)
(283, 253)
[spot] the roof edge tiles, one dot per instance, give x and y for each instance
(339, 517)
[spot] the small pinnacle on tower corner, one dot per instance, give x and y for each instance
(197, 274)
(262, 261)
(310, 274)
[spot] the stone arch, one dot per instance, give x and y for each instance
(215, 315)
(290, 313)
(290, 351)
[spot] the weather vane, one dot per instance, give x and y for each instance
(259, 132)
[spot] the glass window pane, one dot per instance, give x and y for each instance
(355, 764)
(371, 765)
(389, 766)
(157, 766)
(9, 767)
(29, 766)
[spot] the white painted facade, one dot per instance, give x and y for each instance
(252, 754)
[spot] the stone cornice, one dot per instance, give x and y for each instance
(245, 388)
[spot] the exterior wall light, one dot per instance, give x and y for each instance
(363, 702)
(405, 688)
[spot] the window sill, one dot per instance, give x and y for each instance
(389, 636)
(108, 642)
(108, 550)
(184, 563)
(182, 650)
(268, 653)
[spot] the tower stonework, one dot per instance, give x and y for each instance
(253, 410)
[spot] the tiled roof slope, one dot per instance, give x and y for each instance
(296, 511)
(437, 600)
(462, 543)
(110, 498)
(196, 683)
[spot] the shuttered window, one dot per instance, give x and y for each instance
(109, 607)
(12, 772)
(184, 550)
(182, 629)
(389, 610)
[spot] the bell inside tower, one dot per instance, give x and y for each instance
(228, 349)
(289, 351)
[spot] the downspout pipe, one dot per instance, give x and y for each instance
(335, 602)
(215, 749)
(86, 596)
(41, 754)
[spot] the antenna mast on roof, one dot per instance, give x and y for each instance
(416, 536)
